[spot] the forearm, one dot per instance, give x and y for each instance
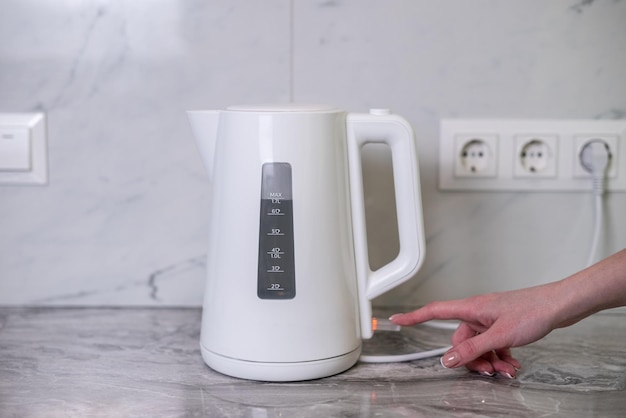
(601, 286)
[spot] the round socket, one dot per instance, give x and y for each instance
(535, 156)
(475, 156)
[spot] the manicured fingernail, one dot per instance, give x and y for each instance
(486, 373)
(507, 375)
(450, 359)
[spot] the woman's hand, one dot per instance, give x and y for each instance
(493, 323)
(490, 325)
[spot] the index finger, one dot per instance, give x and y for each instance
(453, 309)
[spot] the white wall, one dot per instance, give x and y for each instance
(123, 219)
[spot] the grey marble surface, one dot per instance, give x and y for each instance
(146, 362)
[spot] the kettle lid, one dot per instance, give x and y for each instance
(287, 107)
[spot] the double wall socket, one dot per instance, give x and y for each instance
(528, 154)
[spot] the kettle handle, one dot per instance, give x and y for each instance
(380, 126)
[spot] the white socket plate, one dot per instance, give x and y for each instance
(31, 168)
(563, 170)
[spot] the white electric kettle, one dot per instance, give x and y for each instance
(289, 285)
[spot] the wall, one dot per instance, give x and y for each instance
(123, 219)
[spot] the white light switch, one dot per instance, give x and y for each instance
(14, 149)
(23, 155)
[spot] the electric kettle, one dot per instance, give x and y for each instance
(289, 285)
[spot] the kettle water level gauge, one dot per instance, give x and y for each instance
(276, 274)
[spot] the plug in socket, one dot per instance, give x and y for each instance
(582, 141)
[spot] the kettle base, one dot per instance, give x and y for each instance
(280, 372)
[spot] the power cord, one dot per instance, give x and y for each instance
(386, 325)
(595, 157)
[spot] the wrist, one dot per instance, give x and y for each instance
(601, 286)
(569, 304)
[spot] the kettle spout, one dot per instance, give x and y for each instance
(204, 126)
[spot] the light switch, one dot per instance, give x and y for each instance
(15, 149)
(23, 149)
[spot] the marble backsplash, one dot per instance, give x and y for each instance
(123, 218)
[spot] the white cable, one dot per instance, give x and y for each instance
(597, 228)
(398, 358)
(595, 157)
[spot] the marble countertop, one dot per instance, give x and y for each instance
(146, 362)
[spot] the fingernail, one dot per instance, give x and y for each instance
(507, 375)
(394, 316)
(486, 373)
(450, 359)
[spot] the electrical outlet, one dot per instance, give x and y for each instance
(527, 154)
(23, 156)
(476, 155)
(610, 141)
(535, 156)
